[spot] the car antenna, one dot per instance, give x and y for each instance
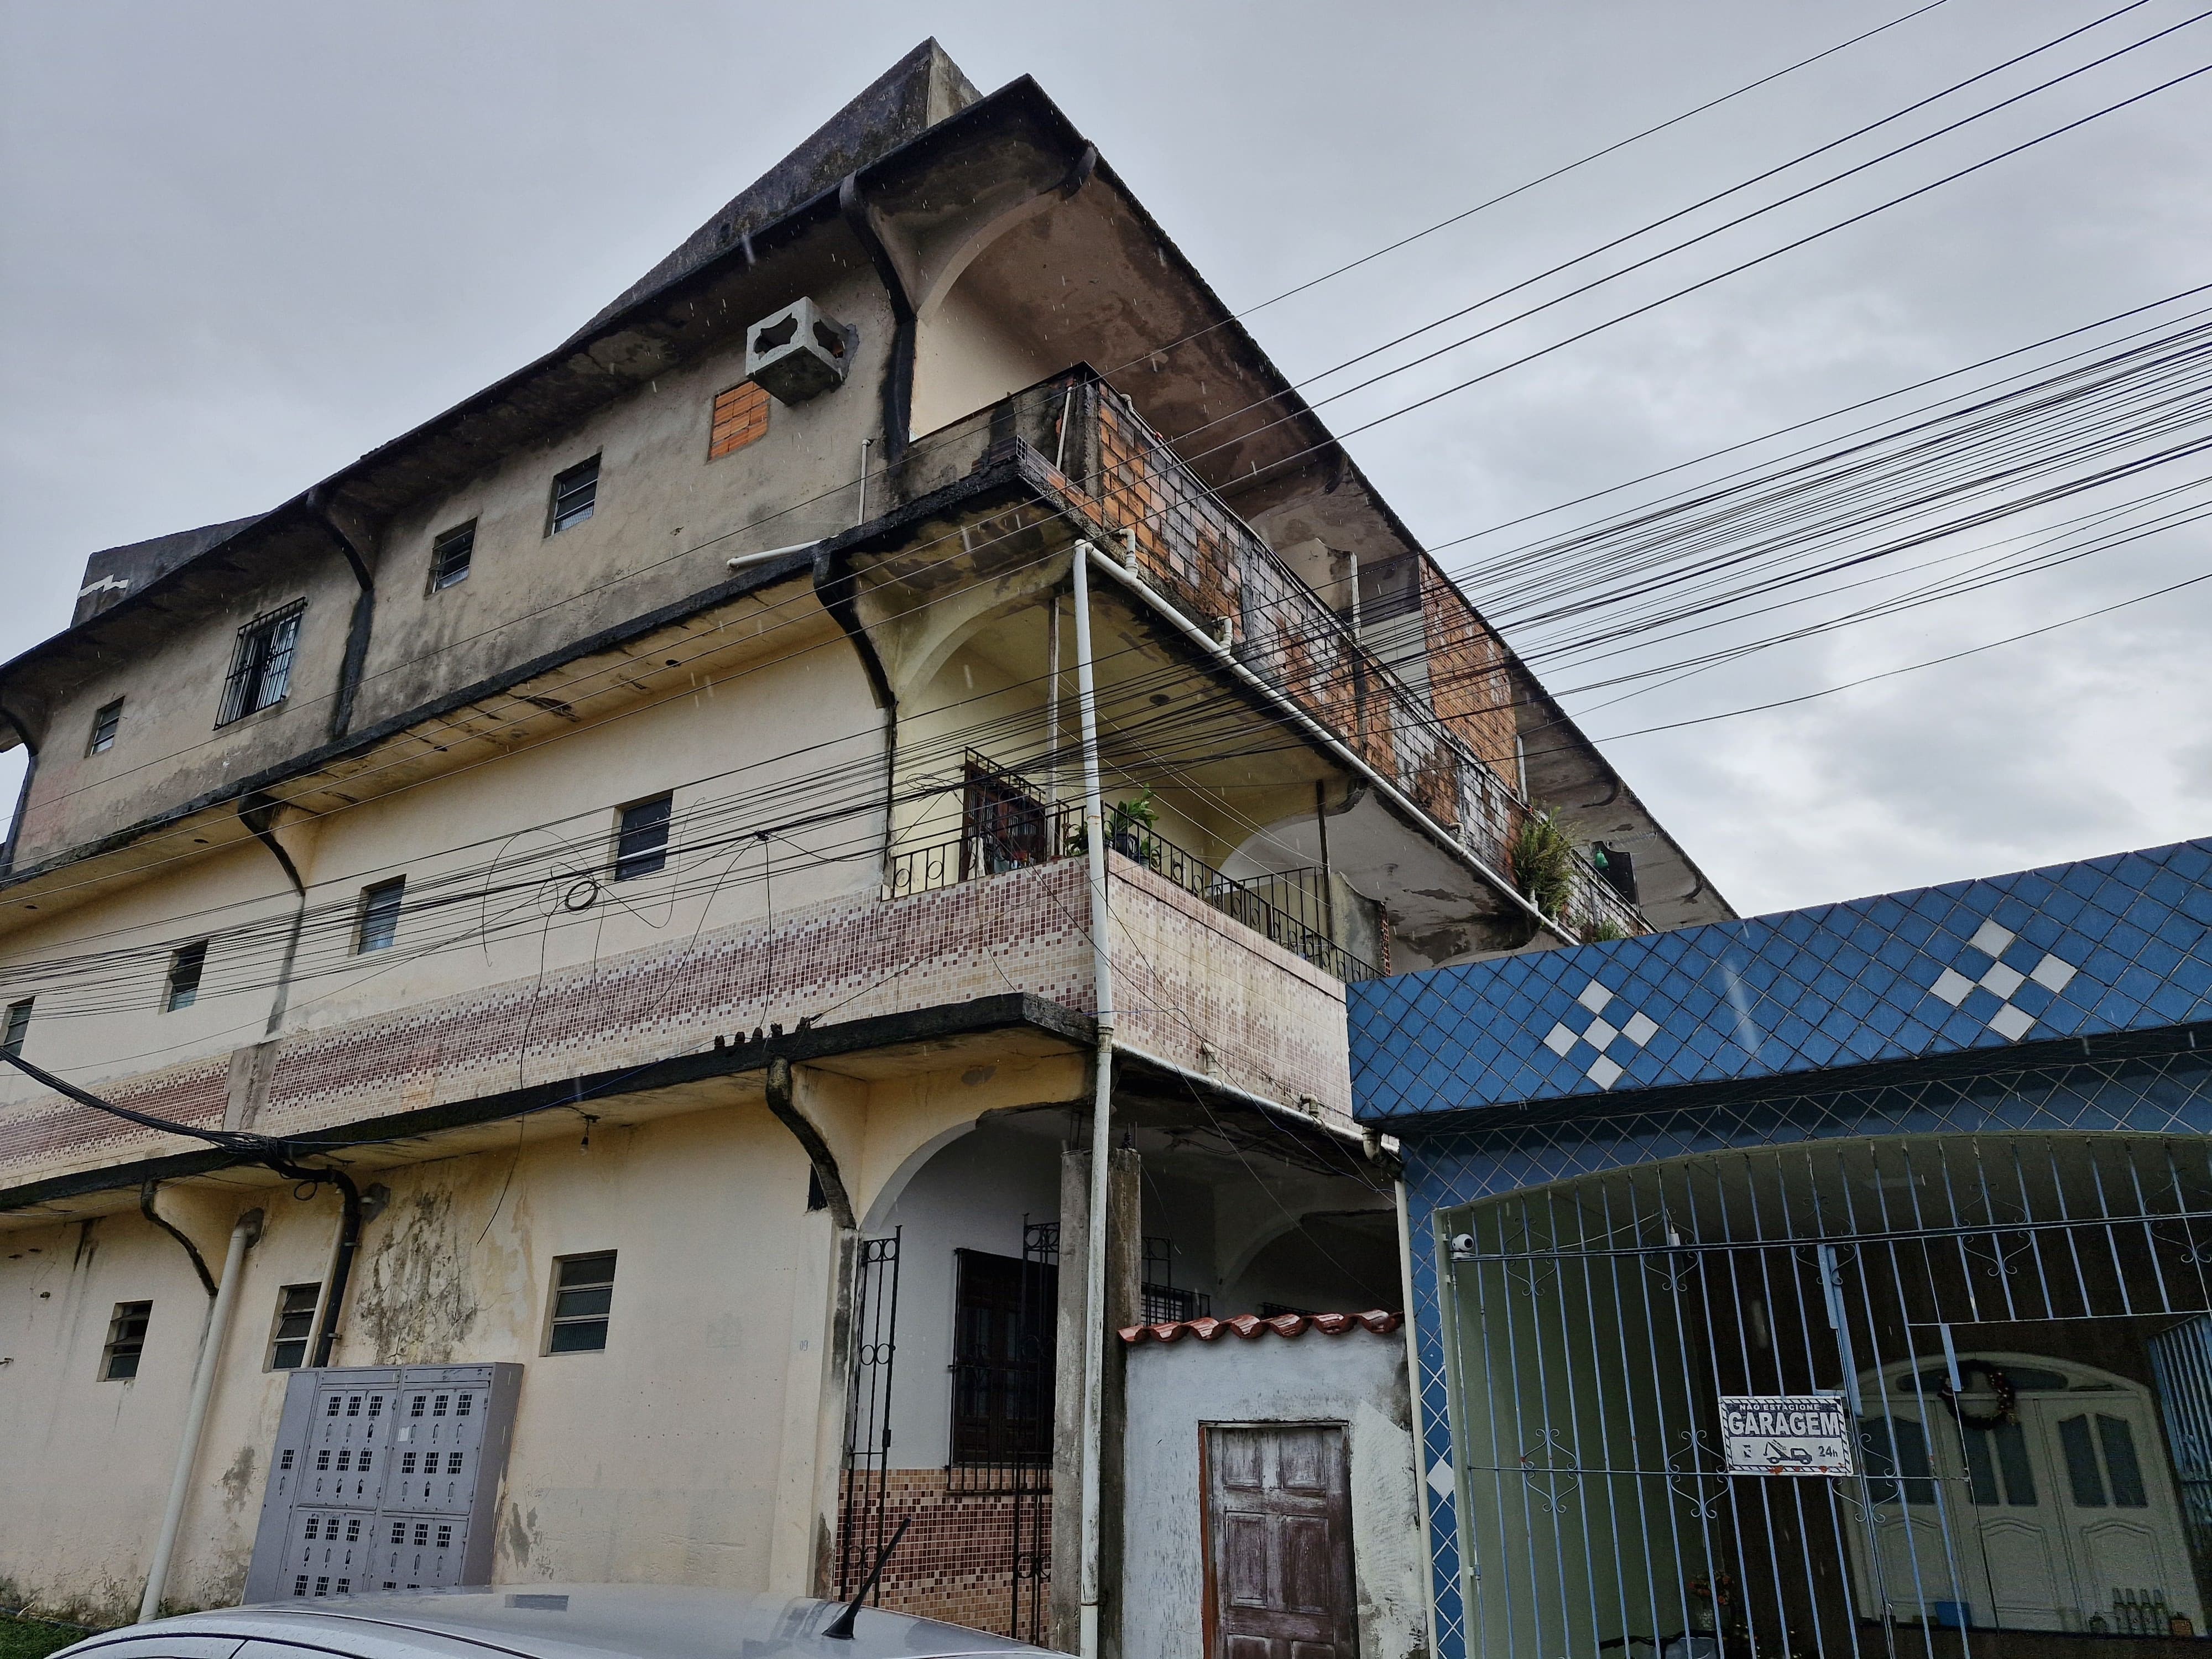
(840, 1628)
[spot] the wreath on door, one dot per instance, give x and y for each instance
(2007, 1406)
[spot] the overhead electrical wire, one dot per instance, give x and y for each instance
(2020, 146)
(70, 1090)
(1527, 186)
(1668, 298)
(1756, 179)
(862, 769)
(920, 445)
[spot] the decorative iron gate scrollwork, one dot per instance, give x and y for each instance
(1594, 1324)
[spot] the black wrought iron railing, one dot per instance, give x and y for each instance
(1300, 910)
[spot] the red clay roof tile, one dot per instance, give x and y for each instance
(1250, 1325)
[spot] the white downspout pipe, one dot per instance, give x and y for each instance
(768, 553)
(1102, 1140)
(243, 1233)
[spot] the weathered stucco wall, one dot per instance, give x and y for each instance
(1357, 1379)
(687, 1451)
(629, 1463)
(1210, 994)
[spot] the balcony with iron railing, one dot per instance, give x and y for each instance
(1006, 827)
(1191, 549)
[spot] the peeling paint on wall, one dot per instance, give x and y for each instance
(416, 1305)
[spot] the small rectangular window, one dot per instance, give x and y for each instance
(450, 555)
(583, 1292)
(379, 923)
(18, 1023)
(295, 1324)
(186, 968)
(740, 416)
(104, 725)
(642, 842)
(126, 1340)
(575, 494)
(261, 666)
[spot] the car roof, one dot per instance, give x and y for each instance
(573, 1621)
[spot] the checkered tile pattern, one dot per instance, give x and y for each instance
(2078, 949)
(2122, 944)
(1600, 1035)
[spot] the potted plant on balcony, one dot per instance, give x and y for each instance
(1131, 828)
(1544, 864)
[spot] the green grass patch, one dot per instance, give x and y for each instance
(27, 1638)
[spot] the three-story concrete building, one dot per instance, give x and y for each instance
(601, 884)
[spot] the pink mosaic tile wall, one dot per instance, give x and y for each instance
(1195, 988)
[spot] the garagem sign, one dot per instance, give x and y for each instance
(1786, 1434)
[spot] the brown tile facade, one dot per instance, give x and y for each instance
(959, 1558)
(1196, 987)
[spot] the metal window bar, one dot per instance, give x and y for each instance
(1013, 1481)
(575, 496)
(1600, 1318)
(1295, 909)
(1160, 1301)
(261, 663)
(450, 556)
(864, 1497)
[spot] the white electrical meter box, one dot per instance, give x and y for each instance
(384, 1477)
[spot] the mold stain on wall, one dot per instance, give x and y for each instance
(417, 1304)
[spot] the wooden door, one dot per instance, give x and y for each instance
(1279, 1543)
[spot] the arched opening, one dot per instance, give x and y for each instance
(1754, 1396)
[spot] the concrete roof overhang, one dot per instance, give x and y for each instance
(1016, 132)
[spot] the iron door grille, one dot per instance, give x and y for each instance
(1591, 1327)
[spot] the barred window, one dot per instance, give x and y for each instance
(295, 1324)
(261, 666)
(451, 554)
(641, 842)
(583, 1294)
(186, 968)
(12, 1029)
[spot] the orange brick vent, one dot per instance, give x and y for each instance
(740, 416)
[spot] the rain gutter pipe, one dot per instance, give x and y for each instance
(1102, 1144)
(243, 1232)
(1320, 734)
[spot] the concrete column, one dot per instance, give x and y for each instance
(802, 1554)
(1124, 1271)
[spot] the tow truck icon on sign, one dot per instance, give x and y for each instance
(1789, 1434)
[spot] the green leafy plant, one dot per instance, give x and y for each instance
(1130, 827)
(1544, 864)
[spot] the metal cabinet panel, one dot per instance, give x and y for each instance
(384, 1478)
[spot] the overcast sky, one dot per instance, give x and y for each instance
(244, 243)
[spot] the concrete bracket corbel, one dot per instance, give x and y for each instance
(782, 1100)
